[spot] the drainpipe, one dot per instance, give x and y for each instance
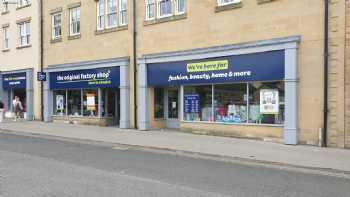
(326, 53)
(134, 60)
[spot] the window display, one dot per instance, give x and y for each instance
(90, 103)
(74, 102)
(256, 102)
(266, 102)
(85, 102)
(158, 103)
(59, 102)
(199, 103)
(230, 104)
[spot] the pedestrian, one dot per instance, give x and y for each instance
(2, 111)
(17, 107)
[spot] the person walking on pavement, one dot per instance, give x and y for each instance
(1, 111)
(17, 107)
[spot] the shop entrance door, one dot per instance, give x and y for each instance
(21, 93)
(172, 107)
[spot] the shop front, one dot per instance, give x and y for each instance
(245, 90)
(19, 84)
(93, 93)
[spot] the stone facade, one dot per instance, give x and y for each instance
(16, 58)
(203, 25)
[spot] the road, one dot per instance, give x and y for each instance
(41, 167)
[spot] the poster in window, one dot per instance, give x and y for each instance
(59, 103)
(269, 101)
(90, 102)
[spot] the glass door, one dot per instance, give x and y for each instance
(173, 108)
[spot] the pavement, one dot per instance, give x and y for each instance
(332, 159)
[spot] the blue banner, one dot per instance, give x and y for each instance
(265, 66)
(90, 78)
(14, 81)
(191, 103)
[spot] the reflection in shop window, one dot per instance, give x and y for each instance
(59, 102)
(266, 104)
(74, 102)
(198, 103)
(230, 103)
(90, 102)
(158, 103)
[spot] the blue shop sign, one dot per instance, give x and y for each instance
(191, 103)
(14, 81)
(263, 66)
(90, 78)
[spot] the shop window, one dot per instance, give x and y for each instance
(266, 103)
(158, 103)
(59, 102)
(230, 103)
(198, 103)
(109, 104)
(74, 102)
(90, 102)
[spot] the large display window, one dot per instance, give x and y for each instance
(85, 102)
(238, 103)
(198, 103)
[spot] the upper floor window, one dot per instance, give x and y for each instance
(111, 13)
(5, 7)
(180, 6)
(150, 9)
(56, 26)
(21, 3)
(122, 12)
(6, 39)
(164, 8)
(227, 2)
(74, 21)
(24, 33)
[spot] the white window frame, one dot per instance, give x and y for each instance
(101, 17)
(77, 21)
(177, 12)
(150, 8)
(108, 13)
(24, 34)
(122, 11)
(227, 2)
(22, 3)
(158, 8)
(6, 38)
(5, 7)
(54, 26)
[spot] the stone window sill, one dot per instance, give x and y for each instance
(5, 50)
(165, 19)
(73, 37)
(24, 6)
(56, 40)
(5, 12)
(264, 1)
(109, 30)
(228, 7)
(24, 46)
